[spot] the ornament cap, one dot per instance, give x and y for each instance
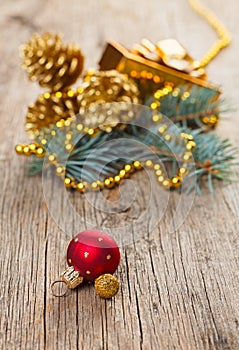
(71, 277)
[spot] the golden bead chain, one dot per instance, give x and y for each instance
(110, 182)
(224, 38)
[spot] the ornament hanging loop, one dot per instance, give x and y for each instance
(59, 295)
(70, 278)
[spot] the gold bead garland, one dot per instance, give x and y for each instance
(125, 172)
(224, 37)
(28, 150)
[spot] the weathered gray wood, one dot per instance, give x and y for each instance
(178, 290)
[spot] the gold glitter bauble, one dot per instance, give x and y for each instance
(106, 286)
(55, 66)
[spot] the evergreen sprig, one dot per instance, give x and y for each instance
(104, 154)
(95, 158)
(190, 107)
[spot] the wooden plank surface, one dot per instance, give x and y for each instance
(179, 290)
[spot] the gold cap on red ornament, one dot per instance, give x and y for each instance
(71, 277)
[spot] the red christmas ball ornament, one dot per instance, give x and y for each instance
(93, 253)
(92, 256)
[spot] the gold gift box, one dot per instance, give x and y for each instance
(149, 74)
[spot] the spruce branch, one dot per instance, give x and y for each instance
(95, 158)
(195, 107)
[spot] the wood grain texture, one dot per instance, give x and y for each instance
(178, 290)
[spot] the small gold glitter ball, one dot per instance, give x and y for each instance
(106, 286)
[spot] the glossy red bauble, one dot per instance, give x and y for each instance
(93, 253)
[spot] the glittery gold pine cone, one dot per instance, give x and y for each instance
(96, 94)
(108, 86)
(99, 90)
(55, 66)
(48, 109)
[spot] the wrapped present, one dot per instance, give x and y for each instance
(156, 66)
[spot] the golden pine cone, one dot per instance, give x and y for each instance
(97, 93)
(100, 89)
(107, 86)
(47, 110)
(49, 62)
